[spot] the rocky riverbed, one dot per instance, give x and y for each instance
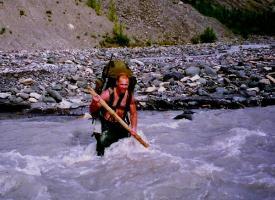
(175, 77)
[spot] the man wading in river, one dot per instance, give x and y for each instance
(121, 100)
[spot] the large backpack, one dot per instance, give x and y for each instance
(110, 73)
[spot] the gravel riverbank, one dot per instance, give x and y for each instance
(175, 77)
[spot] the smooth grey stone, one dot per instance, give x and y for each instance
(48, 99)
(209, 71)
(55, 95)
(187, 114)
(192, 71)
(23, 95)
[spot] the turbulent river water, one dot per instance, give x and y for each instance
(220, 154)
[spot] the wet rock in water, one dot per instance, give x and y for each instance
(187, 114)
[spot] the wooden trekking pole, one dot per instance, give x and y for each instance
(113, 113)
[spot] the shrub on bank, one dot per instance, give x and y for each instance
(208, 36)
(95, 4)
(119, 38)
(2, 30)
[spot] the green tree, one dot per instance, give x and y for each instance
(119, 36)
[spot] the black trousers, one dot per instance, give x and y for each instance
(111, 132)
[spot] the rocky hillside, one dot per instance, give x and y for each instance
(61, 24)
(26, 24)
(164, 21)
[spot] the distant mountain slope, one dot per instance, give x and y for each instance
(31, 24)
(62, 24)
(241, 16)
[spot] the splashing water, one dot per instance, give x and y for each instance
(220, 154)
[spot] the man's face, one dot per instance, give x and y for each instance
(123, 84)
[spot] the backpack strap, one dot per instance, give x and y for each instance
(106, 79)
(128, 101)
(111, 98)
(119, 101)
(127, 106)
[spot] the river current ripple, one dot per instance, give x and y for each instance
(220, 154)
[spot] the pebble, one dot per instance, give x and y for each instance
(33, 100)
(35, 95)
(27, 81)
